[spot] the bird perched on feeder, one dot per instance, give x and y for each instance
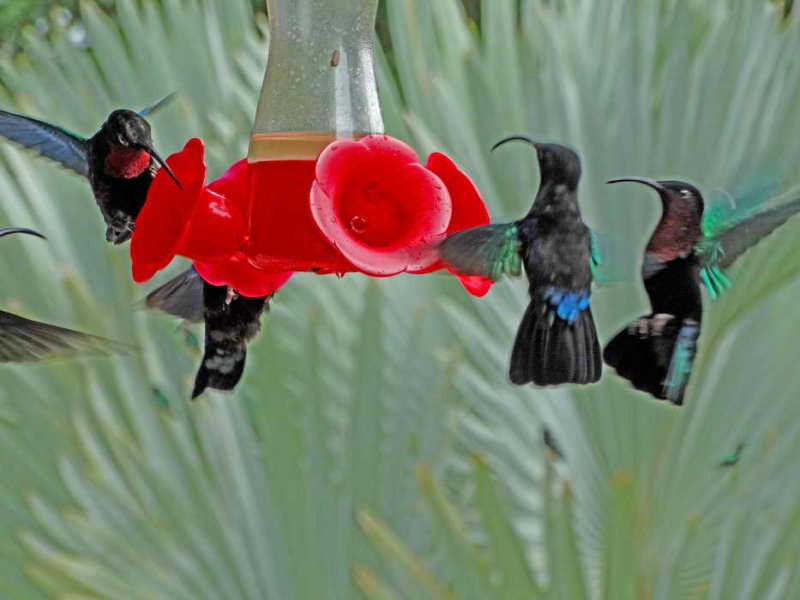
(556, 342)
(687, 248)
(23, 340)
(119, 160)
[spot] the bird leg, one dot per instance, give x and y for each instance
(232, 295)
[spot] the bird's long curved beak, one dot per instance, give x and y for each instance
(653, 183)
(162, 163)
(517, 138)
(12, 230)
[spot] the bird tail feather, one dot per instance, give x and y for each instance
(552, 351)
(660, 364)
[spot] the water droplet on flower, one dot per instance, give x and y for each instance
(358, 224)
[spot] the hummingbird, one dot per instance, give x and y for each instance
(119, 160)
(23, 340)
(732, 459)
(231, 321)
(556, 342)
(689, 248)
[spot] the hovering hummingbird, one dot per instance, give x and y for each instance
(23, 340)
(557, 341)
(231, 321)
(687, 249)
(119, 160)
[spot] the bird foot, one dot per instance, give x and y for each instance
(650, 326)
(232, 295)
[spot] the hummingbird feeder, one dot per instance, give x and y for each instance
(322, 188)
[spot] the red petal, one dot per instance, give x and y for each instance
(469, 210)
(241, 276)
(216, 230)
(162, 223)
(233, 184)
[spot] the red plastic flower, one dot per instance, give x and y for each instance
(191, 220)
(205, 223)
(384, 211)
(367, 206)
(379, 206)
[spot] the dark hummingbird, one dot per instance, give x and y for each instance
(119, 160)
(557, 341)
(23, 340)
(231, 321)
(688, 248)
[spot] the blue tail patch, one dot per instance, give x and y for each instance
(568, 304)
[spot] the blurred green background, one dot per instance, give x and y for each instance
(374, 449)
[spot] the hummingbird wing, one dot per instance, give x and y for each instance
(719, 249)
(48, 140)
(23, 340)
(155, 106)
(489, 250)
(180, 297)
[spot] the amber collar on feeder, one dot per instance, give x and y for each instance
(323, 189)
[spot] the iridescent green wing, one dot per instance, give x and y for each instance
(597, 259)
(723, 243)
(490, 250)
(48, 140)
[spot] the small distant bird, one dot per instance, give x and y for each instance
(119, 160)
(732, 459)
(551, 443)
(557, 341)
(231, 322)
(23, 340)
(656, 352)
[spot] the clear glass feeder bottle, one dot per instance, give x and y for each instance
(319, 86)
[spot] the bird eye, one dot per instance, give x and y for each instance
(686, 193)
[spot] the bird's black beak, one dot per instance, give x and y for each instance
(152, 152)
(11, 230)
(517, 138)
(656, 185)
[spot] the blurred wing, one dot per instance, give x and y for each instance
(48, 140)
(146, 112)
(180, 297)
(720, 251)
(23, 340)
(735, 240)
(490, 250)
